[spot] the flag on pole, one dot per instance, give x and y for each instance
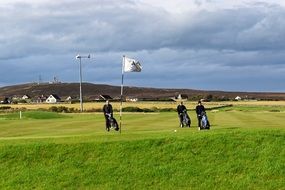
(128, 65)
(131, 65)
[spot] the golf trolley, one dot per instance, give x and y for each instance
(113, 124)
(186, 121)
(205, 124)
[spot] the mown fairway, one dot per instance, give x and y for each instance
(243, 150)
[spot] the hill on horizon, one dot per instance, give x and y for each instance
(91, 91)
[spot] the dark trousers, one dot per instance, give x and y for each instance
(199, 120)
(108, 125)
(181, 118)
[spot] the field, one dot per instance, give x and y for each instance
(243, 150)
(116, 105)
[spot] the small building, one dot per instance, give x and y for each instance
(53, 98)
(5, 100)
(237, 98)
(132, 99)
(71, 99)
(105, 97)
(26, 97)
(180, 97)
(40, 99)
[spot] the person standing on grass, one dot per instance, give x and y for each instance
(180, 110)
(108, 111)
(199, 110)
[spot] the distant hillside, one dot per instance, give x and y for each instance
(91, 91)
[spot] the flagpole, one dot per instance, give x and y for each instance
(122, 86)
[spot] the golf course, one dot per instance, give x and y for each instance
(244, 149)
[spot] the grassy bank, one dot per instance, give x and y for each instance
(243, 150)
(232, 160)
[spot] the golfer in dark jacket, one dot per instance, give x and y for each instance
(199, 110)
(180, 109)
(108, 110)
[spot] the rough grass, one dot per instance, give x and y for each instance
(243, 150)
(116, 105)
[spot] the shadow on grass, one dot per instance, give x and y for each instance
(231, 128)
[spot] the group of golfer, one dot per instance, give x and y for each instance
(200, 110)
(181, 109)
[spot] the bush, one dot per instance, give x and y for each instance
(153, 109)
(53, 109)
(59, 109)
(147, 110)
(132, 109)
(95, 110)
(72, 110)
(274, 111)
(5, 107)
(168, 110)
(22, 101)
(137, 109)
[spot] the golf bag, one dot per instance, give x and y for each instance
(186, 121)
(205, 124)
(113, 124)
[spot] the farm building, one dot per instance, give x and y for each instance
(25, 97)
(105, 97)
(5, 100)
(131, 99)
(238, 98)
(180, 97)
(40, 99)
(53, 98)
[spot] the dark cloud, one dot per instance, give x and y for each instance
(238, 48)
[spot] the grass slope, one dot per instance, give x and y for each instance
(243, 150)
(233, 160)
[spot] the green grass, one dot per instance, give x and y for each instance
(243, 150)
(32, 115)
(252, 108)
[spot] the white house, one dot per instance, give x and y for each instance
(53, 98)
(105, 97)
(25, 97)
(132, 99)
(180, 97)
(238, 98)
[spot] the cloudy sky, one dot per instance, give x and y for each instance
(200, 44)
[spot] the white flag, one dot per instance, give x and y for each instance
(131, 65)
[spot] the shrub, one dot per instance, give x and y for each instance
(72, 110)
(95, 110)
(132, 109)
(167, 110)
(274, 110)
(147, 110)
(63, 109)
(153, 109)
(5, 107)
(59, 109)
(53, 109)
(22, 101)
